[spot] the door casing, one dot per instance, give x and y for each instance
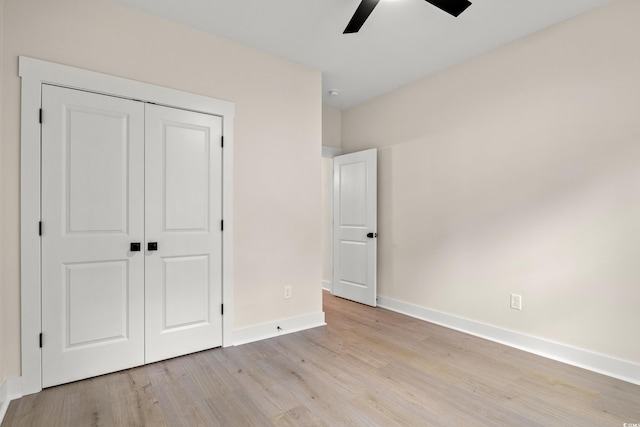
(34, 73)
(330, 153)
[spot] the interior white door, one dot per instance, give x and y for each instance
(355, 223)
(183, 217)
(92, 210)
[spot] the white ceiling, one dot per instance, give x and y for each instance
(402, 41)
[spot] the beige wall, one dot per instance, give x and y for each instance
(278, 136)
(3, 345)
(331, 127)
(519, 171)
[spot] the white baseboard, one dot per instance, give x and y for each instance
(270, 329)
(606, 365)
(326, 285)
(10, 389)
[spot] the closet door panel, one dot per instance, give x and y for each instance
(183, 214)
(92, 209)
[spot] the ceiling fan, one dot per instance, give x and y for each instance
(453, 7)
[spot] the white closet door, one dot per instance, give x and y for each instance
(183, 213)
(92, 210)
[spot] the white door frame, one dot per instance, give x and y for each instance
(330, 153)
(36, 72)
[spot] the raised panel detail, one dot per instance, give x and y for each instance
(96, 302)
(96, 170)
(187, 172)
(353, 200)
(185, 292)
(355, 271)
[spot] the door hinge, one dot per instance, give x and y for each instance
(40, 339)
(40, 116)
(222, 309)
(40, 228)
(222, 141)
(222, 225)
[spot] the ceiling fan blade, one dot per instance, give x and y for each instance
(453, 7)
(362, 13)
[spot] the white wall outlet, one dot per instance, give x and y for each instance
(516, 302)
(287, 291)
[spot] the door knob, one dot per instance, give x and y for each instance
(372, 235)
(152, 246)
(134, 247)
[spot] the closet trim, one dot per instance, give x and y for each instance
(34, 74)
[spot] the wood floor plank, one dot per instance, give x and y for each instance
(91, 407)
(622, 401)
(237, 409)
(38, 409)
(299, 416)
(335, 377)
(209, 380)
(180, 407)
(367, 367)
(268, 393)
(134, 400)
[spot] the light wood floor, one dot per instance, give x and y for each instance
(367, 367)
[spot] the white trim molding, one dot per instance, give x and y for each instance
(606, 365)
(34, 74)
(330, 153)
(278, 327)
(10, 389)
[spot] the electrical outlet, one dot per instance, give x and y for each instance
(287, 291)
(516, 302)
